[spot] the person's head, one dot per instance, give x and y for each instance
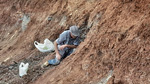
(74, 31)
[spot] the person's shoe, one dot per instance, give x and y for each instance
(45, 64)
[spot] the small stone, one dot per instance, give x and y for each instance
(10, 67)
(85, 66)
(49, 18)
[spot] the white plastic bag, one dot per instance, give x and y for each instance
(48, 46)
(23, 68)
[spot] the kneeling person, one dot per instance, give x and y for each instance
(64, 45)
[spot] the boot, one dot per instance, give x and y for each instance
(45, 64)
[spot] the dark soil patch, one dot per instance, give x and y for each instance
(10, 73)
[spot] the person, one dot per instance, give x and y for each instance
(64, 45)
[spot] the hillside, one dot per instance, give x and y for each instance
(115, 41)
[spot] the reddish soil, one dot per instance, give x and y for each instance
(115, 36)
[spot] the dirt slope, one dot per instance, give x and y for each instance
(117, 40)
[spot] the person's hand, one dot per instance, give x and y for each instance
(58, 56)
(62, 47)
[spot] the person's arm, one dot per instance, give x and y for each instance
(62, 38)
(68, 46)
(71, 46)
(58, 56)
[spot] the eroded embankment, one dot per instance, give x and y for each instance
(118, 38)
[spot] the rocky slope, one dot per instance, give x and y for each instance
(114, 41)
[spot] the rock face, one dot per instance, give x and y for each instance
(115, 37)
